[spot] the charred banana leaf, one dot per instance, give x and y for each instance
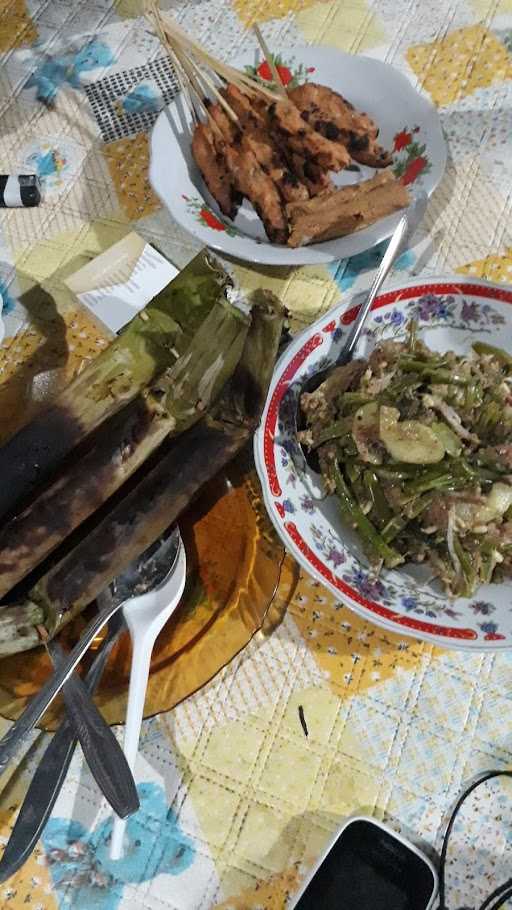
(161, 494)
(152, 341)
(177, 399)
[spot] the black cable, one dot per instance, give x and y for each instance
(497, 893)
(501, 900)
(504, 892)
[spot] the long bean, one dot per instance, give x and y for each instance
(437, 373)
(490, 415)
(481, 347)
(468, 572)
(339, 429)
(354, 398)
(397, 524)
(447, 482)
(380, 512)
(355, 476)
(377, 549)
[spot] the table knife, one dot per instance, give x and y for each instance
(102, 752)
(50, 774)
(149, 571)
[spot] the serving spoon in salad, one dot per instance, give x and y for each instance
(399, 241)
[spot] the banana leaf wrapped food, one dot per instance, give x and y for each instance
(172, 402)
(151, 342)
(205, 430)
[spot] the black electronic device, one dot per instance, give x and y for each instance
(367, 866)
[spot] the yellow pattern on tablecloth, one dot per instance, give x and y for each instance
(16, 26)
(483, 7)
(128, 161)
(60, 339)
(460, 63)
(352, 27)
(354, 653)
(270, 895)
(492, 268)
(31, 885)
(307, 292)
(254, 11)
(256, 815)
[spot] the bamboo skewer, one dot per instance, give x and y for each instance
(189, 64)
(270, 60)
(184, 80)
(186, 84)
(181, 63)
(174, 35)
(192, 86)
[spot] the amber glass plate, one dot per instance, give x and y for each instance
(239, 582)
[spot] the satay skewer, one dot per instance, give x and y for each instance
(174, 34)
(270, 60)
(196, 73)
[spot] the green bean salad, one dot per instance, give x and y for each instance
(417, 447)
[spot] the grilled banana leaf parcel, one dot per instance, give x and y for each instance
(210, 414)
(151, 343)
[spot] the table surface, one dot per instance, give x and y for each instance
(235, 799)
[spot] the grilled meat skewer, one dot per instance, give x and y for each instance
(257, 138)
(317, 181)
(212, 164)
(349, 209)
(337, 119)
(252, 181)
(306, 141)
(249, 178)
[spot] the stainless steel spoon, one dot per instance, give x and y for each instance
(399, 241)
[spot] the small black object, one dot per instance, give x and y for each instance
(303, 721)
(19, 191)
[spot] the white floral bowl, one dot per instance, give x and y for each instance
(409, 125)
(451, 313)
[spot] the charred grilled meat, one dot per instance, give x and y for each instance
(304, 140)
(258, 139)
(211, 161)
(337, 119)
(252, 181)
(349, 209)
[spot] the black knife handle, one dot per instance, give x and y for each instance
(102, 752)
(47, 781)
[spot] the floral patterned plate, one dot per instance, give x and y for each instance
(451, 313)
(409, 124)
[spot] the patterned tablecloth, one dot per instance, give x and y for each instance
(235, 799)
